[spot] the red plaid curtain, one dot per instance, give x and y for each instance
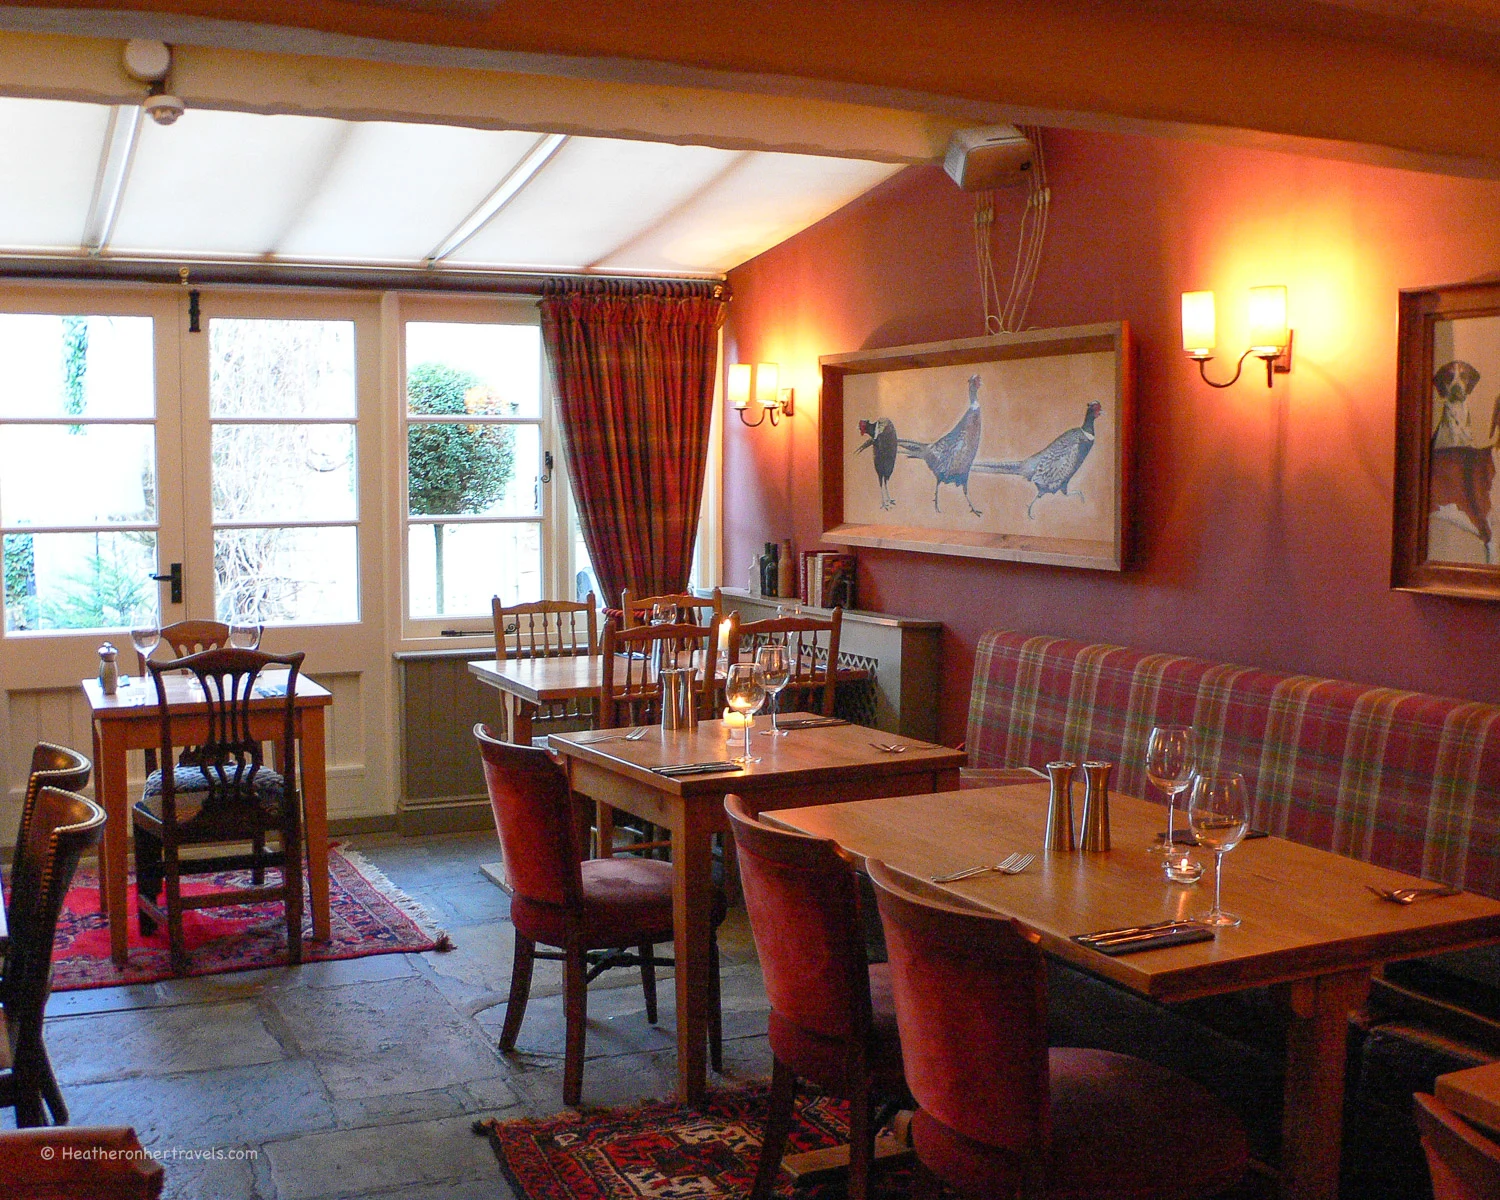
(633, 363)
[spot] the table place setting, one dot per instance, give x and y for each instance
(1132, 938)
(1012, 864)
(672, 770)
(811, 722)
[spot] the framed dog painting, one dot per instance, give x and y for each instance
(1447, 512)
(1015, 446)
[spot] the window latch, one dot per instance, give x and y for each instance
(546, 476)
(174, 577)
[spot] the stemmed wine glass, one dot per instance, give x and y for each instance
(1218, 815)
(744, 692)
(774, 665)
(145, 635)
(1170, 761)
(244, 634)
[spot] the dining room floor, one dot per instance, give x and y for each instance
(362, 1077)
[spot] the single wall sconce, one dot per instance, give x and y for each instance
(1270, 339)
(774, 400)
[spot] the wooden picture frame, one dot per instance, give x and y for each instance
(1015, 447)
(1446, 521)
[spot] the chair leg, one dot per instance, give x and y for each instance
(577, 997)
(56, 1105)
(257, 855)
(291, 881)
(778, 1126)
(715, 1010)
(176, 942)
(520, 990)
(861, 1143)
(648, 981)
(147, 877)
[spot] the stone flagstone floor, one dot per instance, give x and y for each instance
(361, 1078)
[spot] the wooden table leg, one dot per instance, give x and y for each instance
(521, 714)
(315, 816)
(110, 788)
(692, 910)
(1312, 1123)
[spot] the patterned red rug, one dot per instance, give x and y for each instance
(667, 1150)
(368, 914)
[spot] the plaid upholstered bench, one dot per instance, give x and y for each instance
(1401, 779)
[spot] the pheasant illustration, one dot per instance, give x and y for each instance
(1051, 469)
(881, 434)
(952, 455)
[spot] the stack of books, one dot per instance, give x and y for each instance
(827, 579)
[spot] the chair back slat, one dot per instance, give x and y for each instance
(229, 755)
(51, 766)
(63, 825)
(630, 687)
(812, 650)
(970, 990)
(688, 609)
(534, 819)
(189, 637)
(549, 629)
(803, 900)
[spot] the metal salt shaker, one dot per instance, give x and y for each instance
(679, 707)
(1096, 806)
(1060, 807)
(109, 669)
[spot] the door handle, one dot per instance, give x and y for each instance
(174, 577)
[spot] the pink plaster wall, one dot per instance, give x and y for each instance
(1263, 519)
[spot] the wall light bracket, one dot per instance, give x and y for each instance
(1270, 337)
(773, 400)
(1276, 364)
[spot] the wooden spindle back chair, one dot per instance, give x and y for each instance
(183, 638)
(550, 629)
(51, 766)
(630, 691)
(813, 651)
(689, 609)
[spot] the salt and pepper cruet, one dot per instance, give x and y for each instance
(1059, 834)
(109, 669)
(1095, 835)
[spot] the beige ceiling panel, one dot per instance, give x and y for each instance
(50, 153)
(595, 195)
(396, 190)
(219, 183)
(765, 200)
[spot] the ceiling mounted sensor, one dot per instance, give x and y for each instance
(987, 157)
(150, 62)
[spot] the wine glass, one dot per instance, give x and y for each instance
(663, 614)
(744, 692)
(145, 635)
(244, 634)
(1169, 765)
(774, 665)
(1218, 814)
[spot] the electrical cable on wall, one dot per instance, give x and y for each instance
(1010, 316)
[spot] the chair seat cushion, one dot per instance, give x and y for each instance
(822, 1060)
(192, 786)
(626, 901)
(1121, 1127)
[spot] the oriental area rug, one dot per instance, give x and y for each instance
(663, 1150)
(368, 915)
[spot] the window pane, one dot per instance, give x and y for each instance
(281, 368)
(273, 472)
(478, 562)
(584, 580)
(64, 366)
(454, 368)
(77, 580)
(458, 470)
(287, 576)
(78, 474)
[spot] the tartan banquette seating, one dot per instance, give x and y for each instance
(1402, 779)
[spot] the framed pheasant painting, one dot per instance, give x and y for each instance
(1015, 447)
(1447, 500)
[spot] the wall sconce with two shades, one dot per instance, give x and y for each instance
(1270, 339)
(774, 401)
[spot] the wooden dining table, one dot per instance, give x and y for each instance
(1311, 928)
(827, 762)
(528, 683)
(129, 720)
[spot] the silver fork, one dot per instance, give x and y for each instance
(634, 735)
(1020, 864)
(889, 747)
(1003, 865)
(1407, 895)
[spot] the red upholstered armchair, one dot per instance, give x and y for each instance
(601, 904)
(1002, 1115)
(103, 1163)
(1465, 1164)
(831, 1017)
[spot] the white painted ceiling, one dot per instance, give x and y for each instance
(237, 187)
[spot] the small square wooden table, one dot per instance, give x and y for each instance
(128, 721)
(829, 762)
(1310, 927)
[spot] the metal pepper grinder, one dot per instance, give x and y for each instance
(1060, 807)
(1096, 806)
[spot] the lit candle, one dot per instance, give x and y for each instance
(724, 636)
(736, 721)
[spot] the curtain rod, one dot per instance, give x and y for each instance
(207, 274)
